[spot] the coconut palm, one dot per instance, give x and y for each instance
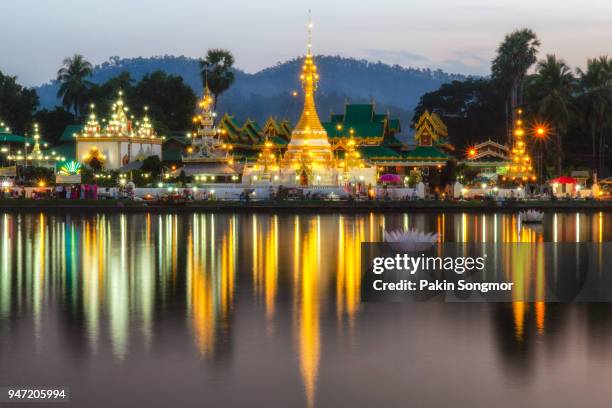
(216, 70)
(595, 102)
(73, 82)
(550, 92)
(515, 55)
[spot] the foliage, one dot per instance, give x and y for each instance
(87, 176)
(449, 173)
(515, 55)
(74, 85)
(216, 70)
(171, 103)
(95, 164)
(17, 103)
(105, 178)
(473, 110)
(53, 122)
(103, 95)
(32, 176)
(153, 166)
(550, 95)
(595, 103)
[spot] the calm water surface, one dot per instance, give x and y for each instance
(264, 310)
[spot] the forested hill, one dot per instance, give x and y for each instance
(268, 92)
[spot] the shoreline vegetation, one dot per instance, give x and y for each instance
(32, 205)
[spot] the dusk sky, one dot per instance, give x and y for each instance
(456, 36)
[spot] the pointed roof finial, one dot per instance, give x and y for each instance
(309, 32)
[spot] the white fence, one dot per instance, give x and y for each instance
(491, 192)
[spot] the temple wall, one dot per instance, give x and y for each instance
(107, 148)
(115, 151)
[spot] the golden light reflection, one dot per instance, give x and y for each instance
(119, 273)
(210, 281)
(309, 325)
(351, 232)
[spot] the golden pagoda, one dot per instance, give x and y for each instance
(309, 159)
(520, 169)
(37, 157)
(309, 148)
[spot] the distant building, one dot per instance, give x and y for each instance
(488, 157)
(433, 148)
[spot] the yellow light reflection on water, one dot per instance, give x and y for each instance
(309, 326)
(210, 281)
(122, 271)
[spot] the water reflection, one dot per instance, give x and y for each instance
(120, 281)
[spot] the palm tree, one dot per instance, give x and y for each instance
(596, 101)
(515, 55)
(550, 93)
(216, 70)
(74, 85)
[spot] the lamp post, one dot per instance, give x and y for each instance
(540, 134)
(5, 152)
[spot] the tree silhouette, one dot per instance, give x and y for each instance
(74, 85)
(216, 71)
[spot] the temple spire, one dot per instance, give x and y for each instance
(309, 50)
(309, 143)
(309, 122)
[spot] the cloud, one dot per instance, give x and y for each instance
(405, 58)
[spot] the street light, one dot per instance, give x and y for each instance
(540, 132)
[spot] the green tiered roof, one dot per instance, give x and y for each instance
(11, 138)
(249, 138)
(69, 132)
(364, 122)
(66, 150)
(426, 154)
(379, 153)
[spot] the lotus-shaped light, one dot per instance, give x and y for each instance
(531, 216)
(412, 240)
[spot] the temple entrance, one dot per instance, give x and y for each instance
(304, 178)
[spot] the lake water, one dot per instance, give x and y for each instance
(264, 310)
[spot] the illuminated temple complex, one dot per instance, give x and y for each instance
(309, 157)
(120, 143)
(355, 146)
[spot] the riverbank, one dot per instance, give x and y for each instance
(28, 205)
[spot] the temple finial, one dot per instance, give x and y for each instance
(309, 32)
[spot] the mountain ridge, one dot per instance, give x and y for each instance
(268, 92)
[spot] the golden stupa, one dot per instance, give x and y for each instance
(309, 159)
(309, 142)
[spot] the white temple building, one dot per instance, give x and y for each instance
(120, 142)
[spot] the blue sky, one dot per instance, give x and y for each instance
(457, 36)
